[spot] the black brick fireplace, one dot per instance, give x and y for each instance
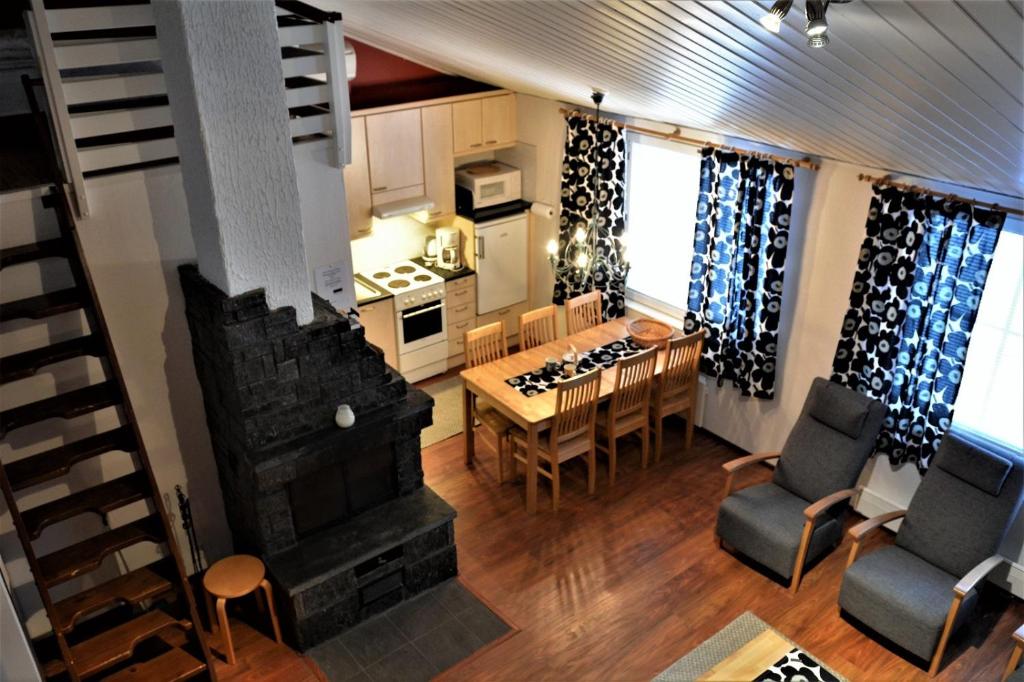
(340, 516)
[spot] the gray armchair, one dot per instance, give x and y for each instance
(920, 590)
(799, 515)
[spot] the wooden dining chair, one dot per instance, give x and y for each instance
(630, 405)
(537, 327)
(583, 312)
(571, 434)
(675, 390)
(482, 345)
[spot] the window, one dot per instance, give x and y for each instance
(990, 404)
(661, 194)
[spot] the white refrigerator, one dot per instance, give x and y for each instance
(501, 262)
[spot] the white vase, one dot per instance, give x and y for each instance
(344, 417)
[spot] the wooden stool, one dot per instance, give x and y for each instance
(232, 577)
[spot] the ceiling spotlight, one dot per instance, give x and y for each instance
(773, 20)
(816, 23)
(820, 40)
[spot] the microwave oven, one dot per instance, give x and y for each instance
(489, 183)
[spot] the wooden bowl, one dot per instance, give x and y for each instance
(649, 333)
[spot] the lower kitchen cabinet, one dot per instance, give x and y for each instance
(509, 315)
(378, 318)
(460, 311)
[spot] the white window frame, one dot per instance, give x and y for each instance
(1013, 225)
(641, 302)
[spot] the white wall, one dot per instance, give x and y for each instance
(391, 240)
(18, 663)
(324, 218)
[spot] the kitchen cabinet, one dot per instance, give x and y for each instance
(438, 160)
(467, 126)
(357, 184)
(498, 116)
(482, 124)
(508, 314)
(378, 318)
(394, 143)
(460, 312)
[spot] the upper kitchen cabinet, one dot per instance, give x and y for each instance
(438, 159)
(357, 184)
(482, 124)
(394, 144)
(498, 116)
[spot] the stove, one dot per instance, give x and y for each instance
(411, 284)
(421, 323)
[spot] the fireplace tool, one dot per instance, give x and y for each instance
(185, 507)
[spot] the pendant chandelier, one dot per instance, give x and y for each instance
(575, 262)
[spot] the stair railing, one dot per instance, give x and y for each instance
(316, 79)
(107, 96)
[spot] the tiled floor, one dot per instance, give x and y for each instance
(413, 641)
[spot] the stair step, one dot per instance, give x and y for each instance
(173, 666)
(58, 462)
(66, 405)
(87, 555)
(143, 583)
(116, 645)
(21, 365)
(44, 305)
(15, 255)
(101, 499)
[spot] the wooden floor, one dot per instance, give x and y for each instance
(620, 585)
(259, 657)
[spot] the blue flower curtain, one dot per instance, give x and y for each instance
(915, 297)
(739, 258)
(595, 147)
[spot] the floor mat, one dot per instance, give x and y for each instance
(447, 395)
(415, 640)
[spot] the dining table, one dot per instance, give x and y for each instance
(534, 413)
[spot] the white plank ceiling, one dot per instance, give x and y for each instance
(926, 87)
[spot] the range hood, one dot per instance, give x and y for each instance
(399, 207)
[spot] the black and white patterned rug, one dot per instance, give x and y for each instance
(540, 380)
(796, 666)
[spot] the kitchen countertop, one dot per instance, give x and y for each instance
(380, 296)
(446, 275)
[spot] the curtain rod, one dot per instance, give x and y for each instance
(924, 190)
(676, 137)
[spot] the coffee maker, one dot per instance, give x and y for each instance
(449, 248)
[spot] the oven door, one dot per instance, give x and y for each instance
(421, 326)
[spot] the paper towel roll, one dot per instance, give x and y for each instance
(542, 210)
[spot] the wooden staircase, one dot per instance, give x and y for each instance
(142, 625)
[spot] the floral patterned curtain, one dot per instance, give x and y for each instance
(739, 258)
(591, 146)
(915, 296)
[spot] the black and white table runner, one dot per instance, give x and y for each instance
(541, 380)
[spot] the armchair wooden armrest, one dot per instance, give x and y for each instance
(1018, 649)
(974, 576)
(864, 527)
(821, 506)
(812, 512)
(734, 465)
(960, 590)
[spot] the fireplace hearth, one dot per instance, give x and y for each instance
(340, 516)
